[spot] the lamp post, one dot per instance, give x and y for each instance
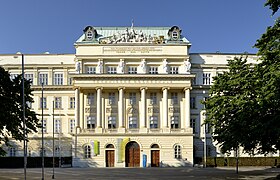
(23, 118)
(42, 130)
(53, 143)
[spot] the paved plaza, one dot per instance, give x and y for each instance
(253, 173)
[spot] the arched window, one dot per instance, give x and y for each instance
(177, 152)
(87, 151)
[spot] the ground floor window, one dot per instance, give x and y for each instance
(177, 152)
(87, 151)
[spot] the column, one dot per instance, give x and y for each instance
(143, 112)
(187, 109)
(98, 107)
(164, 123)
(77, 105)
(121, 107)
(81, 114)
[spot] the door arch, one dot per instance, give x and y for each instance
(132, 154)
(155, 155)
(110, 155)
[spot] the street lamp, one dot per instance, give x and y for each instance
(42, 130)
(53, 142)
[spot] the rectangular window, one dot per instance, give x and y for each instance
(132, 120)
(153, 98)
(174, 70)
(29, 77)
(206, 79)
(192, 125)
(174, 122)
(112, 124)
(90, 122)
(57, 126)
(58, 79)
(44, 126)
(174, 98)
(112, 70)
(153, 70)
(72, 102)
(90, 99)
(153, 122)
(43, 103)
(72, 125)
(43, 79)
(132, 98)
(57, 102)
(13, 76)
(12, 152)
(132, 70)
(112, 98)
(192, 103)
(90, 70)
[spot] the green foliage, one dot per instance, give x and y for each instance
(273, 5)
(11, 122)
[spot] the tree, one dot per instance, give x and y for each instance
(11, 111)
(244, 103)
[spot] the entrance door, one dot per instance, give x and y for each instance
(132, 155)
(155, 158)
(110, 158)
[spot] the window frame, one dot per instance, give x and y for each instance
(177, 152)
(57, 78)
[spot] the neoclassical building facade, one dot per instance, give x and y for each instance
(128, 97)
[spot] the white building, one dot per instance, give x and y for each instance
(129, 97)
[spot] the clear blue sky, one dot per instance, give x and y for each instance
(37, 26)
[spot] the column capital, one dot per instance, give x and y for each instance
(143, 88)
(187, 88)
(101, 88)
(163, 88)
(119, 88)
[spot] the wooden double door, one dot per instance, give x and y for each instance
(155, 158)
(132, 155)
(110, 158)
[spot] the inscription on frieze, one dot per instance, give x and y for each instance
(131, 49)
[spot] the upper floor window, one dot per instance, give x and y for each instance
(43, 103)
(90, 122)
(192, 103)
(72, 102)
(192, 125)
(132, 98)
(206, 78)
(72, 125)
(153, 70)
(44, 124)
(174, 98)
(153, 98)
(57, 102)
(174, 70)
(132, 120)
(90, 99)
(13, 76)
(132, 70)
(174, 122)
(177, 152)
(112, 70)
(57, 126)
(29, 77)
(112, 124)
(43, 79)
(58, 79)
(112, 98)
(91, 70)
(153, 122)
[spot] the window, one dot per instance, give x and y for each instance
(43, 103)
(177, 152)
(90, 99)
(87, 151)
(57, 102)
(132, 120)
(153, 98)
(174, 122)
(132, 70)
(72, 102)
(153, 70)
(132, 98)
(112, 70)
(112, 98)
(153, 122)
(70, 81)
(205, 99)
(29, 77)
(174, 70)
(206, 79)
(44, 126)
(72, 125)
(112, 122)
(194, 80)
(174, 34)
(13, 76)
(43, 79)
(90, 122)
(12, 152)
(193, 104)
(89, 35)
(57, 126)
(57, 151)
(192, 125)
(90, 70)
(174, 98)
(58, 79)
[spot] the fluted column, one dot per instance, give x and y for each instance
(121, 107)
(77, 112)
(164, 123)
(98, 107)
(143, 108)
(187, 109)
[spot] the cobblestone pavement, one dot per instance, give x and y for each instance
(254, 173)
